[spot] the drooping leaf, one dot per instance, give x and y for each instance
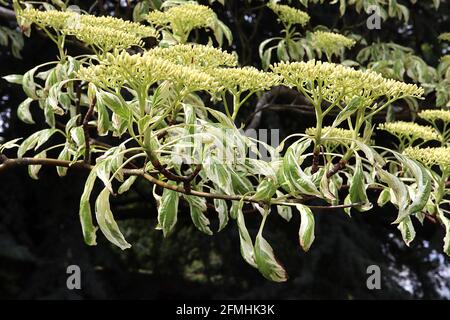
(407, 230)
(384, 197)
(85, 211)
(246, 243)
(222, 210)
(23, 111)
(126, 185)
(307, 226)
(33, 170)
(114, 102)
(106, 222)
(168, 210)
(284, 211)
(266, 261)
(358, 188)
(198, 208)
(265, 190)
(399, 191)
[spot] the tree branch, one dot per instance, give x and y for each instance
(87, 118)
(6, 163)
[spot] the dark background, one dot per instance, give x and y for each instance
(40, 234)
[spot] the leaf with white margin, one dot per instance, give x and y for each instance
(106, 221)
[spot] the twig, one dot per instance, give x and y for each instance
(87, 118)
(337, 167)
(78, 97)
(11, 163)
(315, 160)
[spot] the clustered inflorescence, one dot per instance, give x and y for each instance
(331, 43)
(338, 82)
(183, 18)
(335, 135)
(435, 115)
(106, 33)
(431, 156)
(143, 70)
(195, 55)
(289, 15)
(245, 79)
(445, 36)
(411, 130)
(193, 66)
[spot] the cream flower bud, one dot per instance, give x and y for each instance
(244, 79)
(331, 43)
(435, 115)
(195, 55)
(289, 15)
(410, 130)
(336, 135)
(431, 156)
(184, 18)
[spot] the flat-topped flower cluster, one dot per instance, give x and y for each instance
(196, 67)
(335, 81)
(289, 15)
(410, 130)
(106, 33)
(184, 18)
(431, 156)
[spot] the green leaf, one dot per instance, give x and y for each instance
(198, 207)
(36, 140)
(284, 211)
(222, 29)
(33, 170)
(65, 156)
(407, 230)
(168, 210)
(9, 144)
(384, 197)
(103, 169)
(49, 114)
(240, 183)
(106, 221)
(307, 225)
(293, 174)
(77, 135)
(348, 111)
(265, 259)
(222, 210)
(23, 111)
(85, 211)
(399, 191)
(219, 174)
(423, 183)
(358, 188)
(114, 102)
(246, 243)
(14, 78)
(28, 84)
(266, 189)
(103, 119)
(126, 185)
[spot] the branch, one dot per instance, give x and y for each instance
(6, 163)
(87, 118)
